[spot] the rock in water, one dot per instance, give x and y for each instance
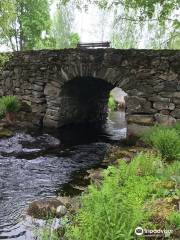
(5, 133)
(61, 211)
(46, 208)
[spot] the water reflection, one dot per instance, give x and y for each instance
(116, 125)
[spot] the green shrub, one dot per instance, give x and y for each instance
(171, 172)
(4, 58)
(165, 140)
(145, 164)
(174, 219)
(112, 103)
(9, 104)
(116, 209)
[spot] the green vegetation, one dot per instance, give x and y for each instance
(46, 233)
(143, 193)
(22, 23)
(4, 58)
(165, 140)
(115, 210)
(62, 27)
(159, 19)
(137, 194)
(112, 103)
(9, 105)
(26, 24)
(174, 219)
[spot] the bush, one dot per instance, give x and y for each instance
(144, 164)
(116, 209)
(9, 104)
(165, 140)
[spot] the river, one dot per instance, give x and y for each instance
(41, 163)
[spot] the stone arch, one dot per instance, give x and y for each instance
(81, 99)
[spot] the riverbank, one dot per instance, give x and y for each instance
(140, 188)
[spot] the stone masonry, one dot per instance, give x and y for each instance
(73, 85)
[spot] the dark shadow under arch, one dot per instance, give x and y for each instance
(84, 99)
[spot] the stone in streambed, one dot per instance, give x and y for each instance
(71, 203)
(5, 133)
(46, 208)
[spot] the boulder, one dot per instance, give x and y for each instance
(72, 204)
(5, 133)
(44, 208)
(143, 119)
(95, 175)
(137, 129)
(164, 119)
(176, 113)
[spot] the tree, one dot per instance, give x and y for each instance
(62, 27)
(174, 40)
(125, 34)
(22, 23)
(162, 14)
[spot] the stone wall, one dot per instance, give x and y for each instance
(43, 80)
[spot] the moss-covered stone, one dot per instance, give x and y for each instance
(5, 133)
(46, 208)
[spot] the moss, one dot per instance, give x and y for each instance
(5, 133)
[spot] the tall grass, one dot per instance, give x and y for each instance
(166, 140)
(9, 104)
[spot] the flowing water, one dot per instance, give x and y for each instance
(38, 164)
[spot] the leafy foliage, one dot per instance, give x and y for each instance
(174, 219)
(9, 104)
(165, 140)
(22, 22)
(112, 103)
(4, 58)
(62, 27)
(115, 210)
(131, 195)
(133, 17)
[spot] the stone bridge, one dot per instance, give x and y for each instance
(73, 85)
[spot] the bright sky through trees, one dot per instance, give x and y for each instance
(136, 25)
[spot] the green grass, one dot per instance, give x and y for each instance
(166, 140)
(46, 233)
(177, 128)
(9, 104)
(174, 219)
